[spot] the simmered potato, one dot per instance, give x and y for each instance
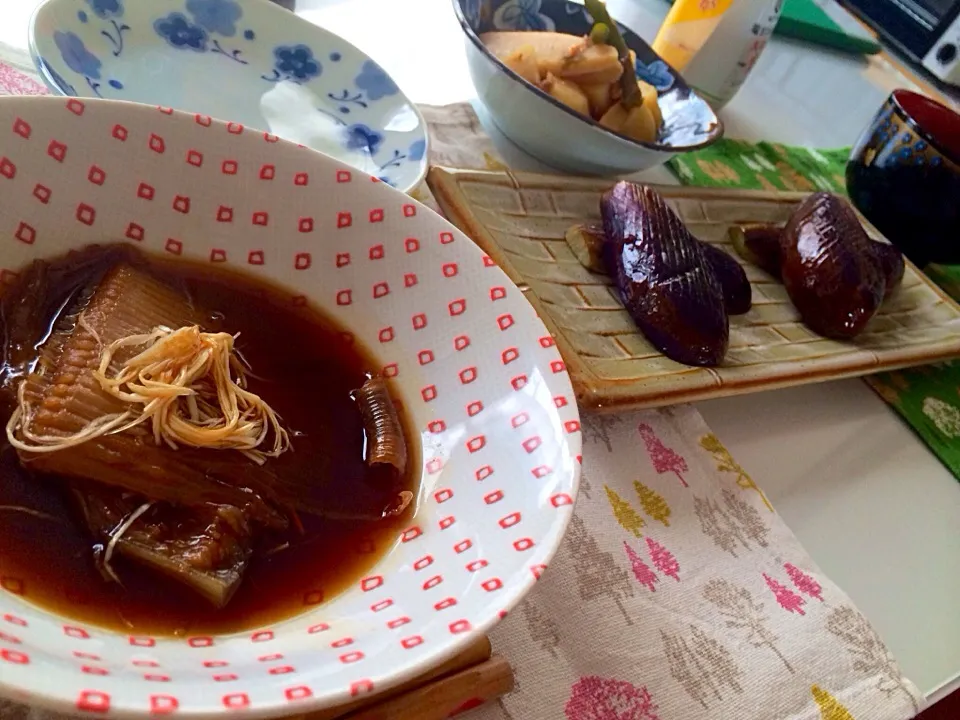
(599, 97)
(614, 118)
(639, 124)
(649, 93)
(523, 61)
(566, 56)
(584, 76)
(567, 92)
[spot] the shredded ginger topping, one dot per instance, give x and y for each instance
(188, 384)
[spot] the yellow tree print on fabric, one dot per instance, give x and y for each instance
(628, 518)
(653, 503)
(725, 463)
(830, 708)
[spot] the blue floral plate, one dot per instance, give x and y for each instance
(245, 61)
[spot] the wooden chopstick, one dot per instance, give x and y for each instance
(447, 696)
(474, 654)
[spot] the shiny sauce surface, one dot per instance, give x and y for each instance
(306, 367)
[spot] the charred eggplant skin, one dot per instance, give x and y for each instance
(737, 293)
(759, 244)
(587, 241)
(829, 267)
(891, 263)
(664, 280)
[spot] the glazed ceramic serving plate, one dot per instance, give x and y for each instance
(520, 219)
(554, 133)
(246, 61)
(479, 375)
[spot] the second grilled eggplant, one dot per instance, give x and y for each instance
(662, 274)
(829, 267)
(759, 244)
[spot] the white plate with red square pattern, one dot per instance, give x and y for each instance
(477, 372)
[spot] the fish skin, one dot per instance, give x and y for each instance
(664, 280)
(206, 548)
(829, 267)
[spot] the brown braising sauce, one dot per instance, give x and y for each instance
(306, 367)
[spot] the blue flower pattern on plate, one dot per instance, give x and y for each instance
(362, 137)
(216, 16)
(181, 33)
(417, 148)
(522, 15)
(347, 97)
(295, 63)
(105, 9)
(656, 73)
(76, 55)
(209, 18)
(375, 82)
(80, 60)
(108, 10)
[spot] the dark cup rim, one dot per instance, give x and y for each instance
(917, 127)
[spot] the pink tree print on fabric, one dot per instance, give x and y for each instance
(663, 458)
(788, 599)
(803, 582)
(597, 698)
(663, 559)
(14, 82)
(641, 571)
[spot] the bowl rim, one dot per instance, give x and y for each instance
(717, 133)
(261, 5)
(894, 100)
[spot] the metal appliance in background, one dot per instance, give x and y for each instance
(926, 31)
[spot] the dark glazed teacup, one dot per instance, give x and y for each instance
(904, 176)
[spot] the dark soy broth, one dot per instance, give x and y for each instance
(306, 367)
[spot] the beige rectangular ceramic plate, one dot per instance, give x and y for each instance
(519, 219)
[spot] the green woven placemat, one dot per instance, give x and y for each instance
(928, 397)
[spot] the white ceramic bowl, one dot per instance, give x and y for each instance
(248, 61)
(552, 132)
(477, 371)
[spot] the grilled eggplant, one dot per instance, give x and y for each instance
(664, 279)
(737, 293)
(891, 263)
(759, 244)
(830, 269)
(586, 242)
